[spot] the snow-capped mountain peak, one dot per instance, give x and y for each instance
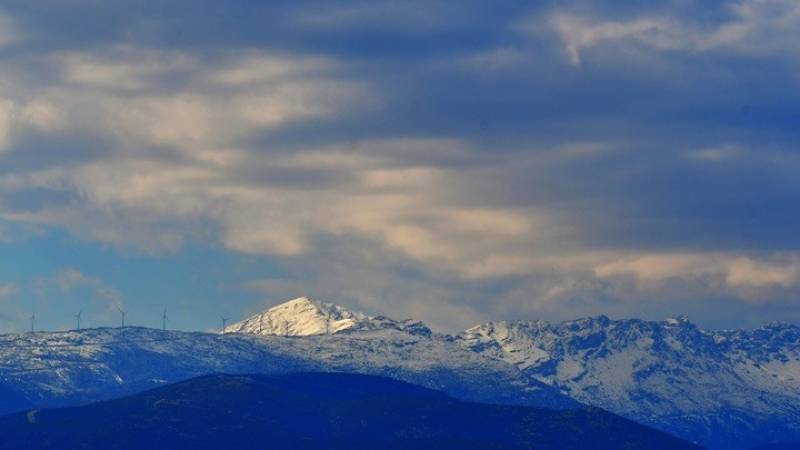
(681, 320)
(306, 317)
(301, 316)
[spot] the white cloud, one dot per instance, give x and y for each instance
(6, 110)
(755, 27)
(758, 27)
(654, 267)
(215, 107)
(206, 112)
(743, 271)
(35, 114)
(580, 34)
(735, 271)
(717, 153)
(123, 68)
(255, 69)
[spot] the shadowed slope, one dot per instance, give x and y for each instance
(316, 411)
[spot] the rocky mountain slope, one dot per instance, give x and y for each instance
(726, 389)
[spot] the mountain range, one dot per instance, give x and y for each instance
(722, 389)
(69, 367)
(727, 389)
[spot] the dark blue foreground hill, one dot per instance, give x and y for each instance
(317, 411)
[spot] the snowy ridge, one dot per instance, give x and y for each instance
(306, 317)
(706, 385)
(300, 317)
(65, 368)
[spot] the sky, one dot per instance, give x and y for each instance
(451, 161)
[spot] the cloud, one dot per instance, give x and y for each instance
(8, 290)
(6, 109)
(249, 70)
(735, 271)
(716, 154)
(752, 27)
(579, 34)
(70, 279)
(34, 115)
(758, 27)
(203, 123)
(451, 164)
(215, 106)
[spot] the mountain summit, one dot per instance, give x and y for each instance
(300, 317)
(306, 317)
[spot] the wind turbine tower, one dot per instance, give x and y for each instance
(164, 321)
(33, 321)
(224, 323)
(78, 318)
(328, 323)
(122, 316)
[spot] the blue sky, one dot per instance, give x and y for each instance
(450, 161)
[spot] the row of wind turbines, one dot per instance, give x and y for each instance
(164, 318)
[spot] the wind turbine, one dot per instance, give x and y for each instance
(33, 320)
(328, 323)
(224, 323)
(164, 320)
(122, 316)
(78, 317)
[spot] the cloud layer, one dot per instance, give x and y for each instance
(464, 163)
